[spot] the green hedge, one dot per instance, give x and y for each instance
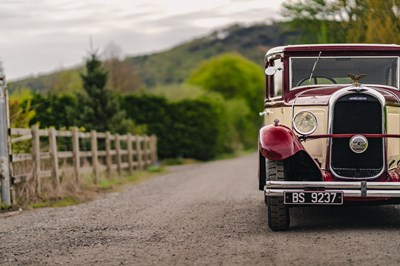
(199, 128)
(59, 111)
(189, 128)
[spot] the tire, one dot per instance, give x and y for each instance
(278, 212)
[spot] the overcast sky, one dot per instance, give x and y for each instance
(41, 36)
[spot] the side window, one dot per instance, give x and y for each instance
(277, 79)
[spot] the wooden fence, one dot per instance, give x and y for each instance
(49, 153)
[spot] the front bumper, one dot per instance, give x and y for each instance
(362, 189)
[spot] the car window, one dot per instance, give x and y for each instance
(335, 70)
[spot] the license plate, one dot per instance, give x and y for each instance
(314, 197)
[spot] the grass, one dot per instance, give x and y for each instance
(178, 161)
(5, 207)
(117, 182)
(63, 202)
(91, 191)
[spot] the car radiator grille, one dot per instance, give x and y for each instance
(357, 113)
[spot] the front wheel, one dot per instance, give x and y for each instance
(278, 212)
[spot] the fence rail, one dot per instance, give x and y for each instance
(50, 153)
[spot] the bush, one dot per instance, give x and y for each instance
(189, 128)
(194, 128)
(57, 110)
(240, 82)
(233, 76)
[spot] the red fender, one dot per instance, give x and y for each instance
(278, 142)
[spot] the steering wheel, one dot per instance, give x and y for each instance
(315, 79)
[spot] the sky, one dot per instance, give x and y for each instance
(43, 36)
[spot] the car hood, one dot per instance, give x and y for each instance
(321, 95)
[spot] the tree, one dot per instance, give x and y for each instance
(233, 76)
(383, 21)
(325, 21)
(316, 20)
(67, 82)
(122, 75)
(241, 83)
(100, 106)
(352, 14)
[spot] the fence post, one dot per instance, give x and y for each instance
(130, 153)
(54, 158)
(95, 163)
(154, 158)
(108, 153)
(76, 156)
(148, 151)
(4, 144)
(36, 158)
(139, 152)
(118, 151)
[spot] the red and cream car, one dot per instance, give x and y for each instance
(332, 127)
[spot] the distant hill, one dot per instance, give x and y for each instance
(174, 65)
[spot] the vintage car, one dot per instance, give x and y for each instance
(332, 127)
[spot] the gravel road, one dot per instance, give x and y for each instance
(205, 214)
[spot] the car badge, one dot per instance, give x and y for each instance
(358, 144)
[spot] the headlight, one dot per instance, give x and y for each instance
(305, 123)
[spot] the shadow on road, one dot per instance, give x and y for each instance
(345, 217)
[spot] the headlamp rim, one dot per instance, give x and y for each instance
(308, 132)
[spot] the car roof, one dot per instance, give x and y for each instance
(333, 47)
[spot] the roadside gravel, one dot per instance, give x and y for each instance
(205, 214)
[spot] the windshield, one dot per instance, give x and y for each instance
(335, 70)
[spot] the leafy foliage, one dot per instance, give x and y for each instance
(236, 129)
(214, 112)
(55, 110)
(122, 76)
(199, 128)
(327, 21)
(195, 127)
(316, 20)
(67, 82)
(383, 21)
(241, 83)
(231, 75)
(21, 114)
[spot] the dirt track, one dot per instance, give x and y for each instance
(208, 214)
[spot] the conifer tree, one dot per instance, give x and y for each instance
(100, 106)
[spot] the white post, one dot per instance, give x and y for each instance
(4, 142)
